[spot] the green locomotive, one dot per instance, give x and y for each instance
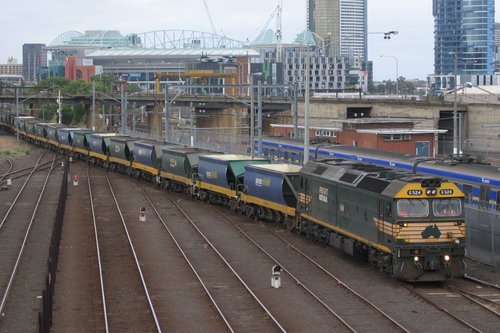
(409, 225)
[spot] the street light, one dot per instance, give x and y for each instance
(307, 88)
(397, 70)
(455, 112)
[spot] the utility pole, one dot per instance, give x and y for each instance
(93, 106)
(191, 109)
(59, 107)
(295, 110)
(17, 112)
(306, 111)
(259, 121)
(252, 120)
(455, 112)
(167, 116)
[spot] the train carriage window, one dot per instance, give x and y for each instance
(498, 201)
(484, 197)
(285, 156)
(467, 189)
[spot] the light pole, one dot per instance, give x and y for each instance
(455, 112)
(397, 71)
(387, 35)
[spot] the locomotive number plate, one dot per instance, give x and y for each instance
(414, 192)
(446, 192)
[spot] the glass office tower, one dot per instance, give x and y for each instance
(341, 25)
(464, 30)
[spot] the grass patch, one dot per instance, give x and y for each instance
(21, 151)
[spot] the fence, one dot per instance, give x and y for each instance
(483, 235)
(45, 315)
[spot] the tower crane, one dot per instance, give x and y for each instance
(275, 10)
(279, 46)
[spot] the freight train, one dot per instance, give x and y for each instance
(411, 226)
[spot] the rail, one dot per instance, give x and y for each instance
(45, 314)
(144, 285)
(205, 288)
(98, 252)
(227, 264)
(23, 245)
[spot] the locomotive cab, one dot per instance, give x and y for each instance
(429, 232)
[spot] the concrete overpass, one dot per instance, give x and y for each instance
(474, 126)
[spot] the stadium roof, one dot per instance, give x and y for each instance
(138, 52)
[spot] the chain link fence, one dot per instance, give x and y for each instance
(483, 235)
(185, 129)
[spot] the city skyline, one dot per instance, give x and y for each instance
(413, 46)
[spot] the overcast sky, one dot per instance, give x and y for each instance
(34, 21)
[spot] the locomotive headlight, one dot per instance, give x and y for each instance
(415, 259)
(457, 241)
(446, 258)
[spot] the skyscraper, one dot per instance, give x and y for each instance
(465, 30)
(34, 56)
(341, 25)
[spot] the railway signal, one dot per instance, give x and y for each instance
(142, 214)
(75, 180)
(276, 276)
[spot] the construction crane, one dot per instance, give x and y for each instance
(269, 20)
(210, 17)
(279, 45)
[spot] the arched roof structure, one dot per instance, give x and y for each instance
(187, 39)
(91, 38)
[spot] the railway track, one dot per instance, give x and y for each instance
(9, 169)
(126, 300)
(459, 303)
(219, 234)
(15, 229)
(239, 307)
(20, 173)
(370, 314)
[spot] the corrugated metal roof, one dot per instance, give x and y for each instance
(387, 131)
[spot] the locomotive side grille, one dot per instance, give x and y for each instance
(349, 177)
(319, 170)
(373, 184)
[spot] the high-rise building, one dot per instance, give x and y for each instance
(34, 56)
(464, 31)
(497, 48)
(11, 67)
(341, 25)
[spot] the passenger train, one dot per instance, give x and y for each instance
(480, 182)
(409, 225)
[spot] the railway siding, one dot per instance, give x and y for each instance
(24, 300)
